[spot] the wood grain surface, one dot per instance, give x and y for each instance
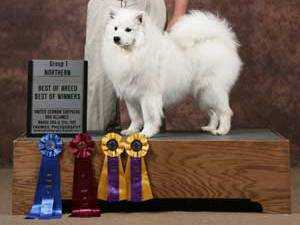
(182, 168)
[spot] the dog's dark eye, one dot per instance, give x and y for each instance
(116, 28)
(128, 29)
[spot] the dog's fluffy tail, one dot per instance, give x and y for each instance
(199, 26)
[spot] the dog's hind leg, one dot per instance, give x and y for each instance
(213, 121)
(223, 112)
(135, 114)
(217, 100)
(152, 108)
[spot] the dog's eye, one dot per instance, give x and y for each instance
(128, 29)
(116, 28)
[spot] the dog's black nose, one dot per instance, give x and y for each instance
(117, 39)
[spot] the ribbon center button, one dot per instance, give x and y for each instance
(112, 145)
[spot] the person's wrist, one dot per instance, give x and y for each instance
(172, 21)
(178, 14)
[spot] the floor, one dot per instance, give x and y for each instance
(172, 218)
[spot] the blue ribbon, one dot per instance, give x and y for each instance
(47, 202)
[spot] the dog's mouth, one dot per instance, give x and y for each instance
(125, 46)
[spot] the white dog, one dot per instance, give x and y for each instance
(151, 70)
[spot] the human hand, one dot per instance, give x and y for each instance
(171, 23)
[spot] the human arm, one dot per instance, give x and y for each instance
(180, 8)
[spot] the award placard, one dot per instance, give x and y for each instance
(57, 97)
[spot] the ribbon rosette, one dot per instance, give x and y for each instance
(112, 185)
(84, 195)
(138, 184)
(47, 202)
(82, 146)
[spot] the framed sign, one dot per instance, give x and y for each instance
(57, 97)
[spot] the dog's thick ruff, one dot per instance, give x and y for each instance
(152, 70)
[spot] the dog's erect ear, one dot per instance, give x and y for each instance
(112, 12)
(140, 17)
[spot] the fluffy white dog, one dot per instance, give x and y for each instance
(151, 70)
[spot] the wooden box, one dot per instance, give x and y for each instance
(247, 164)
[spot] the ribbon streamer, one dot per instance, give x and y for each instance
(138, 183)
(84, 200)
(47, 202)
(112, 184)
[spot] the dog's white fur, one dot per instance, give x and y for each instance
(151, 70)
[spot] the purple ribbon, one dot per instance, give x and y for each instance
(136, 179)
(113, 179)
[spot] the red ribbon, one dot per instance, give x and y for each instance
(82, 146)
(84, 190)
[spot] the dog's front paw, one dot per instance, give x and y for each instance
(128, 132)
(149, 132)
(219, 132)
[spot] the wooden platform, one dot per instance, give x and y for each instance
(247, 164)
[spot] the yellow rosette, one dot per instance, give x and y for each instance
(138, 183)
(112, 184)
